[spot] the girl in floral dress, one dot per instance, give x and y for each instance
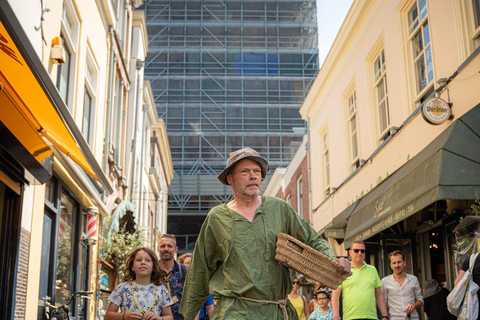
(141, 295)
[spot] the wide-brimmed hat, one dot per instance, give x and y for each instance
(245, 153)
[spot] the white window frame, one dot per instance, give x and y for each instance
(117, 116)
(91, 88)
(382, 108)
(325, 162)
(352, 124)
(70, 33)
(476, 22)
(299, 197)
(417, 27)
(289, 199)
(467, 23)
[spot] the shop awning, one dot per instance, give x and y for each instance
(336, 229)
(31, 105)
(448, 168)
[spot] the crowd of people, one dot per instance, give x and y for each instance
(234, 261)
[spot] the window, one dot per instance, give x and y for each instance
(63, 74)
(122, 22)
(419, 32)
(476, 12)
(289, 199)
(69, 35)
(117, 123)
(381, 95)
(353, 130)
(467, 24)
(326, 164)
(87, 115)
(88, 119)
(476, 18)
(64, 256)
(299, 197)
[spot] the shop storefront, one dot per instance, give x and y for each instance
(418, 206)
(38, 138)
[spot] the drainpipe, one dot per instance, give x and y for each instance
(140, 64)
(155, 229)
(111, 76)
(307, 145)
(142, 158)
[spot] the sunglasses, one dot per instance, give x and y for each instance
(168, 236)
(295, 282)
(359, 250)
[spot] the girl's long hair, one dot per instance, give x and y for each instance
(157, 276)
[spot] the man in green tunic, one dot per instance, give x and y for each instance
(234, 257)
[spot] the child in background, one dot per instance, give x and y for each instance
(324, 312)
(142, 294)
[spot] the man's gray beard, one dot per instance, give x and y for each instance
(166, 259)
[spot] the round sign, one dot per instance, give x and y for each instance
(436, 111)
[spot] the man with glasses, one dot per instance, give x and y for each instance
(360, 291)
(174, 272)
(234, 256)
(401, 290)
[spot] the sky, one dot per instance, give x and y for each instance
(330, 16)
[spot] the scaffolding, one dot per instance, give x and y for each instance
(228, 74)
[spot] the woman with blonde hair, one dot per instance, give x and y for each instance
(185, 259)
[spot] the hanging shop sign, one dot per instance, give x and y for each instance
(436, 111)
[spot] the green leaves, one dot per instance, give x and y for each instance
(116, 249)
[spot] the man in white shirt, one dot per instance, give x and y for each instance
(401, 290)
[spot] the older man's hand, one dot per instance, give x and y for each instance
(345, 267)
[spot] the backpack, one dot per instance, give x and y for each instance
(465, 292)
(182, 269)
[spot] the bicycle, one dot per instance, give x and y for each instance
(62, 312)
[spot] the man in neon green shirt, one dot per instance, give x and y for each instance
(360, 290)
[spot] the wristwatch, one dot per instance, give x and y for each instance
(385, 317)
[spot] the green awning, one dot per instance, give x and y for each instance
(448, 168)
(336, 229)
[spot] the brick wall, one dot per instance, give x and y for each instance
(22, 272)
(291, 189)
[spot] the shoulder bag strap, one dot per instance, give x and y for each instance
(473, 258)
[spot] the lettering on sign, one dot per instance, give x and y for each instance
(384, 223)
(379, 210)
(436, 111)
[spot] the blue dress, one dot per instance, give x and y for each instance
(319, 315)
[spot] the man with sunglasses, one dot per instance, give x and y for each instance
(234, 256)
(360, 291)
(174, 272)
(401, 290)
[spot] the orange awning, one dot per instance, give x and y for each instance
(31, 109)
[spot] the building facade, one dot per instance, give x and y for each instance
(393, 116)
(66, 117)
(227, 75)
(291, 183)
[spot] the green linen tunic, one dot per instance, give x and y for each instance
(234, 257)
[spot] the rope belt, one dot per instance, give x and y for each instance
(281, 303)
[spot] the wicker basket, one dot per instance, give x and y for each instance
(298, 256)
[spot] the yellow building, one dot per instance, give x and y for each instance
(394, 123)
(73, 104)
